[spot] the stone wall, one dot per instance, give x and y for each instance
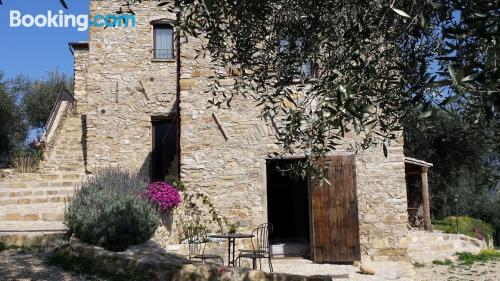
(233, 171)
(80, 65)
(125, 88)
(426, 247)
(382, 203)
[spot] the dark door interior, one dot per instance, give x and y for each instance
(288, 203)
(164, 154)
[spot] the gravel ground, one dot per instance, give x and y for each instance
(383, 270)
(25, 266)
(489, 271)
(29, 265)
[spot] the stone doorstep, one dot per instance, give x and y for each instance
(153, 262)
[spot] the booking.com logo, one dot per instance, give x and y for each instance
(61, 20)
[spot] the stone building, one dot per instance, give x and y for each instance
(127, 83)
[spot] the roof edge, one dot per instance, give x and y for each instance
(418, 162)
(81, 44)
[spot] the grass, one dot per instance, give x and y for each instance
(468, 226)
(467, 259)
(418, 264)
(5, 247)
(484, 256)
(445, 262)
(83, 266)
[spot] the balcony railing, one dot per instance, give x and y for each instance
(163, 54)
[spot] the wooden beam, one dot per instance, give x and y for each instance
(219, 124)
(425, 199)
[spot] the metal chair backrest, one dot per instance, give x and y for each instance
(197, 239)
(261, 237)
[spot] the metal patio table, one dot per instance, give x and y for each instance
(231, 243)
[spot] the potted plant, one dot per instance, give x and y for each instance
(233, 228)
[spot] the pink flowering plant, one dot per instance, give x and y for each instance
(164, 195)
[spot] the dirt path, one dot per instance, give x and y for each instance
(29, 265)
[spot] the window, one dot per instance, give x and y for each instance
(307, 68)
(163, 41)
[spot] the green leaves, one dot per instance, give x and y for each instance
(450, 100)
(375, 63)
(401, 12)
(425, 114)
(63, 3)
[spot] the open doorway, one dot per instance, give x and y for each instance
(164, 154)
(288, 210)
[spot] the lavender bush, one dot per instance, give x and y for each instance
(164, 195)
(109, 211)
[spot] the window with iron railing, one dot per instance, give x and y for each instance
(163, 42)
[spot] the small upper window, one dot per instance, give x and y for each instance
(163, 41)
(307, 68)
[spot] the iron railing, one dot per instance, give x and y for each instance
(64, 97)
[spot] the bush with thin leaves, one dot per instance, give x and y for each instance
(109, 211)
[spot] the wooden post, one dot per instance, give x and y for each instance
(425, 199)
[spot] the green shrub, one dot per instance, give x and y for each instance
(468, 226)
(110, 211)
(26, 160)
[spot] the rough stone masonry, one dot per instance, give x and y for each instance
(119, 87)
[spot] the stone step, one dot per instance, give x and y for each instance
(63, 176)
(31, 226)
(65, 162)
(71, 142)
(38, 184)
(48, 191)
(25, 200)
(68, 149)
(33, 239)
(68, 146)
(33, 212)
(31, 233)
(41, 175)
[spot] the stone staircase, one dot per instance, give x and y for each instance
(32, 205)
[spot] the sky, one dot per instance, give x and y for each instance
(33, 51)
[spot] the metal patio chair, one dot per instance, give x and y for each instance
(261, 249)
(197, 242)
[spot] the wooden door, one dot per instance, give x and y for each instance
(335, 222)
